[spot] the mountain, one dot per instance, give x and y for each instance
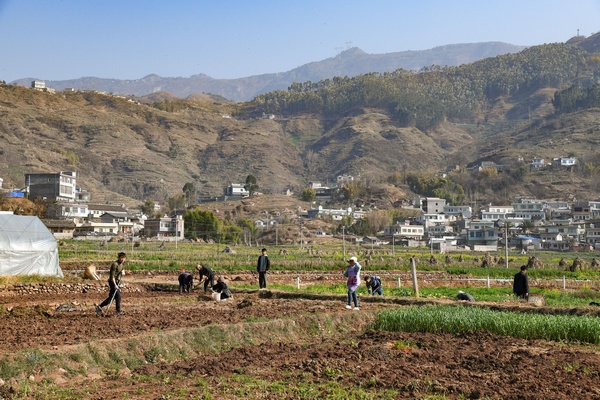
(349, 63)
(498, 109)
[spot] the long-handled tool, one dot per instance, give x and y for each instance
(117, 288)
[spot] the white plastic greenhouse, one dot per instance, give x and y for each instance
(27, 247)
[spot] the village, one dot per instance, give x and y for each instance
(525, 224)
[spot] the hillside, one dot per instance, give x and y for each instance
(126, 150)
(348, 63)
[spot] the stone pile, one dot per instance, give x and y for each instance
(61, 288)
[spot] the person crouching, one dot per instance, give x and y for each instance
(221, 290)
(186, 282)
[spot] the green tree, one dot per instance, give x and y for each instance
(148, 207)
(202, 224)
(308, 194)
(251, 185)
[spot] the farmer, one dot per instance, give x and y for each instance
(222, 289)
(352, 272)
(262, 266)
(521, 284)
(186, 281)
(116, 273)
(374, 285)
(208, 274)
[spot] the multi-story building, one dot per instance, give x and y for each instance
(52, 187)
(464, 211)
(495, 213)
(428, 220)
(167, 228)
(586, 210)
(430, 205)
(482, 234)
(528, 209)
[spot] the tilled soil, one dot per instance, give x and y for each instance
(415, 365)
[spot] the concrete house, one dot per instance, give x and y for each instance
(236, 190)
(482, 235)
(60, 186)
(430, 205)
(406, 230)
(537, 163)
(166, 228)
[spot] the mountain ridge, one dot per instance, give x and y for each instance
(350, 62)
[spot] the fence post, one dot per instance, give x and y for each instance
(488, 281)
(413, 268)
(298, 282)
(564, 283)
(399, 283)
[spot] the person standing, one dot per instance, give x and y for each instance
(208, 274)
(262, 267)
(352, 272)
(521, 283)
(116, 273)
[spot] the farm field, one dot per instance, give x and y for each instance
(276, 343)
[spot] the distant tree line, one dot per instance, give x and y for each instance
(426, 98)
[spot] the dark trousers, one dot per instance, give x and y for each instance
(262, 280)
(117, 296)
(521, 295)
(210, 280)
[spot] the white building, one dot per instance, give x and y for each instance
(464, 211)
(495, 213)
(237, 190)
(404, 229)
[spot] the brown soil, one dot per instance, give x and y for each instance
(415, 365)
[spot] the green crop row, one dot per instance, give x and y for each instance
(460, 319)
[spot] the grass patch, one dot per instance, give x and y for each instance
(457, 319)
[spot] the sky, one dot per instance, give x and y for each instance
(129, 39)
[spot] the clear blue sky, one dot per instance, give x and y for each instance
(128, 39)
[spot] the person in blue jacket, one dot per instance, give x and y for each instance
(374, 285)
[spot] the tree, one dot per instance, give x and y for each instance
(201, 224)
(251, 186)
(148, 207)
(189, 190)
(527, 226)
(308, 194)
(176, 202)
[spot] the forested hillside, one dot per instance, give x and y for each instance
(427, 98)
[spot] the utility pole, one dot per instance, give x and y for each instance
(344, 242)
(506, 243)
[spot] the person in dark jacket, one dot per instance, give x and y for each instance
(186, 282)
(262, 267)
(464, 296)
(207, 274)
(117, 270)
(374, 285)
(521, 283)
(222, 288)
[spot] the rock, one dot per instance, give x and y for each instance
(537, 300)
